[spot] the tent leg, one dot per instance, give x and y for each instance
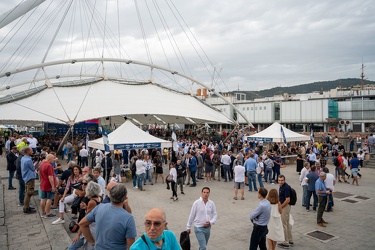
(64, 140)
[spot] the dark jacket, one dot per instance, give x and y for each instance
(18, 167)
(11, 161)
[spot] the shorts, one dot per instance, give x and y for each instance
(239, 185)
(46, 195)
(354, 172)
(341, 172)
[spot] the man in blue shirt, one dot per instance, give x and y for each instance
(250, 166)
(115, 227)
(260, 218)
(28, 176)
(193, 168)
(321, 192)
(311, 179)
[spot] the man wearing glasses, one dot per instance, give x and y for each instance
(115, 227)
(156, 235)
(203, 214)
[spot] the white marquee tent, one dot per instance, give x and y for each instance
(144, 102)
(273, 134)
(128, 136)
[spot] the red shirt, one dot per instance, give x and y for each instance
(341, 161)
(45, 170)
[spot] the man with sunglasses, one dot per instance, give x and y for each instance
(203, 214)
(156, 235)
(115, 227)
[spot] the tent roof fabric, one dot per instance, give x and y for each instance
(131, 136)
(273, 134)
(75, 104)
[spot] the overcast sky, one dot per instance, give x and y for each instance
(254, 44)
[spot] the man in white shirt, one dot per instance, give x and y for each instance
(100, 154)
(302, 180)
(330, 183)
(84, 153)
(225, 160)
(203, 214)
(99, 178)
(239, 180)
(32, 142)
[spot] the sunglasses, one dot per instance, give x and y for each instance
(156, 224)
(84, 183)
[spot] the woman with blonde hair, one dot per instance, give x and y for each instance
(275, 226)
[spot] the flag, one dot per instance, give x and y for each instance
(87, 139)
(312, 135)
(283, 135)
(105, 140)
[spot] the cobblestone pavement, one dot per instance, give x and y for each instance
(352, 224)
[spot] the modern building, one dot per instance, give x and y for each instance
(340, 109)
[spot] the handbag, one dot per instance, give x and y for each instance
(185, 241)
(170, 178)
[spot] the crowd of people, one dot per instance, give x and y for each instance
(94, 177)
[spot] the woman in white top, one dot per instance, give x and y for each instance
(173, 173)
(275, 226)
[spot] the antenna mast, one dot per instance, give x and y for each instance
(362, 75)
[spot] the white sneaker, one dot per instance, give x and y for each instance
(58, 221)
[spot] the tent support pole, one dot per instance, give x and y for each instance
(231, 132)
(65, 138)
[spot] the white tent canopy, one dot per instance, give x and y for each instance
(273, 134)
(128, 136)
(148, 102)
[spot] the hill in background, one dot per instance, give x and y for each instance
(304, 88)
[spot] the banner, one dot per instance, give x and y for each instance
(137, 146)
(265, 139)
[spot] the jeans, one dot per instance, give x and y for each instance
(260, 180)
(79, 243)
(252, 180)
(10, 178)
(226, 172)
(84, 162)
(148, 177)
(258, 237)
(193, 177)
(203, 235)
(134, 180)
(268, 175)
(180, 181)
(276, 172)
(174, 189)
(106, 174)
(330, 202)
(140, 178)
(304, 196)
(21, 192)
(307, 202)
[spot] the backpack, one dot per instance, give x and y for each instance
(293, 196)
(336, 162)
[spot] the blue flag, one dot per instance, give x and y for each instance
(105, 140)
(283, 135)
(312, 135)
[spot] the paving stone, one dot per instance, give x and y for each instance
(233, 227)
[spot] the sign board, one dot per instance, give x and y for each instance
(137, 146)
(259, 139)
